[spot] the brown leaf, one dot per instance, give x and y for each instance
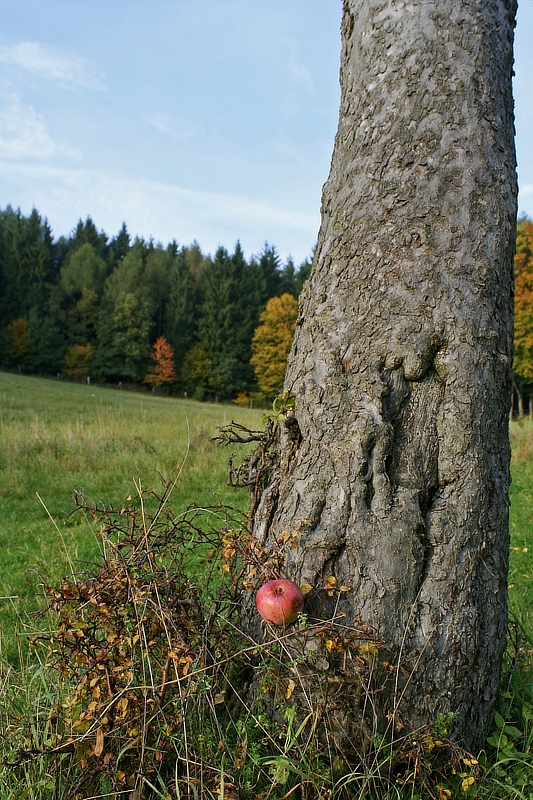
(99, 745)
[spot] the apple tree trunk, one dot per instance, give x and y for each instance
(394, 469)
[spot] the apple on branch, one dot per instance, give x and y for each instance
(279, 601)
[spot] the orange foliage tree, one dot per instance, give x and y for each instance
(271, 342)
(162, 371)
(523, 335)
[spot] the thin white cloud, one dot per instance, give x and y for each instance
(300, 75)
(154, 209)
(23, 134)
(180, 128)
(51, 64)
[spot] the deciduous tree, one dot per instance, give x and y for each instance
(19, 338)
(162, 371)
(523, 331)
(196, 371)
(397, 481)
(78, 361)
(271, 342)
(83, 269)
(123, 340)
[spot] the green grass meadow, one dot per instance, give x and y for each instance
(60, 438)
(521, 523)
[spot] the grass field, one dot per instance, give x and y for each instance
(58, 438)
(521, 523)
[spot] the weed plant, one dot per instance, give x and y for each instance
(158, 693)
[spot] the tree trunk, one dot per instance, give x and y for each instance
(397, 483)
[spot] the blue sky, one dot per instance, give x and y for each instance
(187, 119)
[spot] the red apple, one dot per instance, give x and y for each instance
(279, 601)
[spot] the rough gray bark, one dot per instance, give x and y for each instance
(401, 361)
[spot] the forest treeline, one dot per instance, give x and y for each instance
(523, 317)
(217, 327)
(89, 306)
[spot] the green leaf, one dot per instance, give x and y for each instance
(513, 732)
(499, 720)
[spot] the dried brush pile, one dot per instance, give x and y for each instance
(161, 695)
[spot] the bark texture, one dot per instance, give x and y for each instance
(397, 482)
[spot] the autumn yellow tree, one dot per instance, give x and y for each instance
(523, 331)
(78, 361)
(19, 338)
(271, 342)
(162, 371)
(196, 371)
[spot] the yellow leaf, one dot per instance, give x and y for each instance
(291, 685)
(122, 705)
(368, 648)
(345, 589)
(81, 726)
(240, 753)
(305, 588)
(467, 783)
